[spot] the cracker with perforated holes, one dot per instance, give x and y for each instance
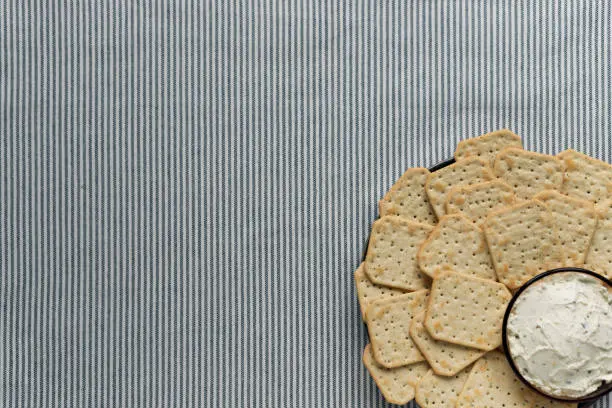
(456, 244)
(367, 291)
(445, 359)
(492, 383)
(435, 391)
(488, 145)
(540, 401)
(528, 172)
(388, 325)
(477, 200)
(391, 257)
(522, 241)
(599, 256)
(407, 198)
(466, 310)
(397, 385)
(586, 177)
(575, 222)
(462, 173)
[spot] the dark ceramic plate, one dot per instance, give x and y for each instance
(432, 169)
(587, 403)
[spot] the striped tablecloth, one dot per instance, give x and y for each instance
(187, 187)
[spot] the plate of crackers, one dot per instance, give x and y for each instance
(451, 246)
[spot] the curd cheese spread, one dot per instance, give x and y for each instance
(559, 334)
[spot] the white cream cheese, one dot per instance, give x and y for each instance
(560, 334)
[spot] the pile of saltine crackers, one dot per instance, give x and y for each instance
(451, 246)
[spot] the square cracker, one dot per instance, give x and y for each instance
(391, 257)
(492, 383)
(388, 324)
(368, 291)
(457, 245)
(397, 385)
(522, 240)
(487, 145)
(477, 200)
(528, 172)
(434, 391)
(541, 401)
(599, 256)
(445, 359)
(407, 198)
(462, 173)
(466, 310)
(575, 222)
(586, 177)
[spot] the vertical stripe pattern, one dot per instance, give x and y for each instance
(186, 187)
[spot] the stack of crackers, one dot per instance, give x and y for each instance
(448, 250)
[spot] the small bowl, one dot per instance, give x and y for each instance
(584, 400)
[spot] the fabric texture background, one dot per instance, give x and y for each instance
(186, 187)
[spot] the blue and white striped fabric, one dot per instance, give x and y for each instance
(187, 187)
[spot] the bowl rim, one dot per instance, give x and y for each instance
(603, 390)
